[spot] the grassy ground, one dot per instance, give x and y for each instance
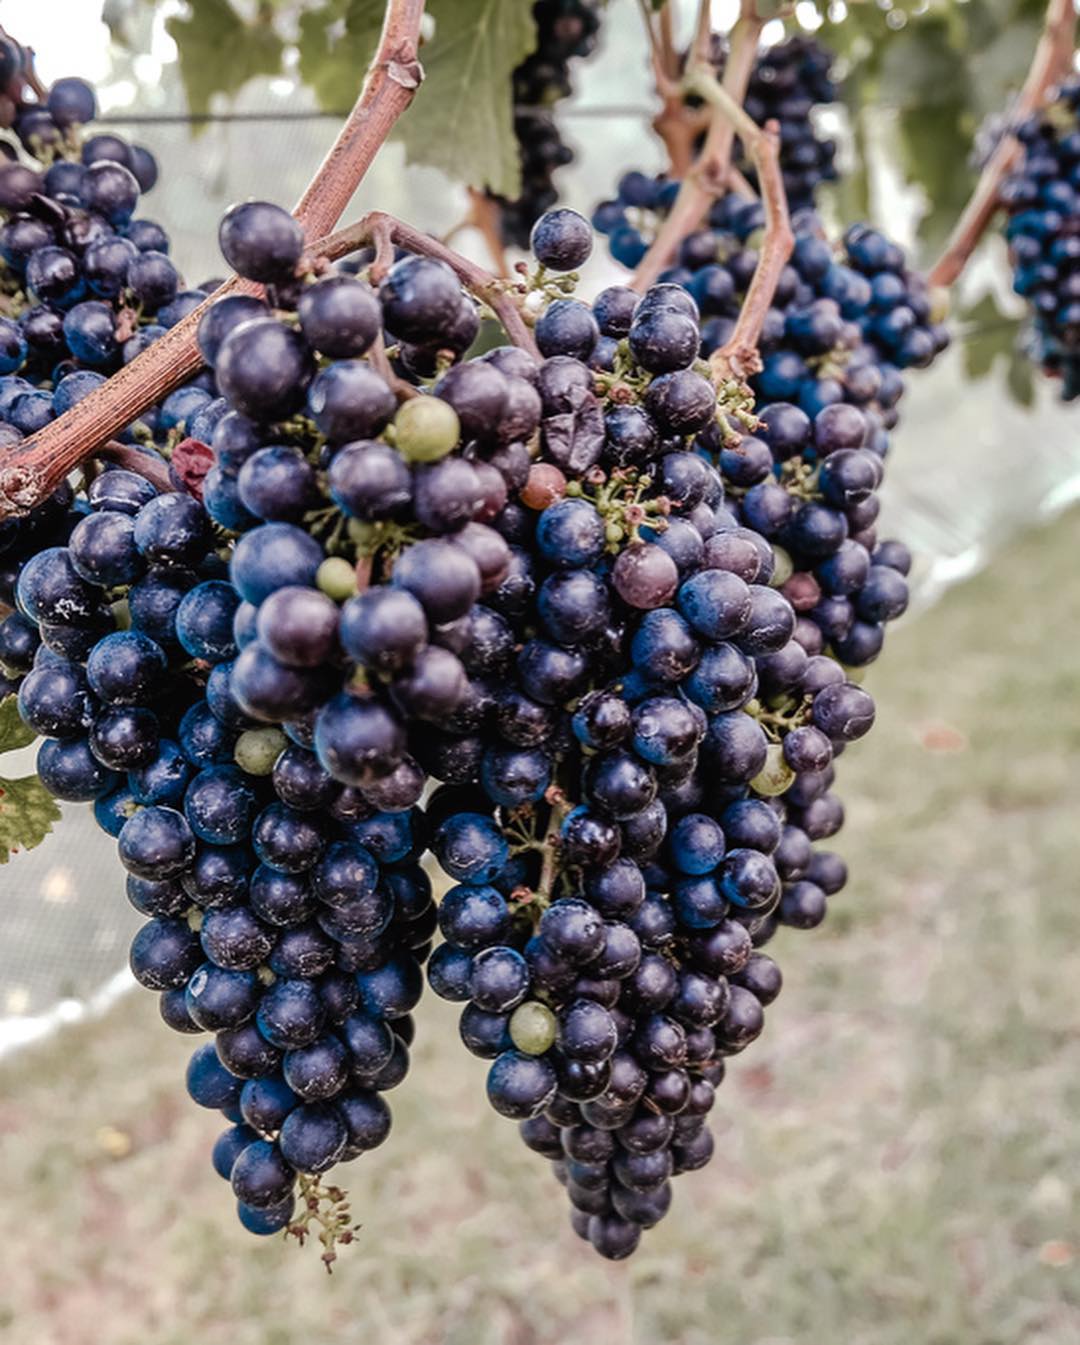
(897, 1156)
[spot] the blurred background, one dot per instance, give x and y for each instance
(897, 1156)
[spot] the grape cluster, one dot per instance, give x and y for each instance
(284, 915)
(85, 285)
(669, 699)
(565, 30)
(788, 81)
(565, 624)
(834, 313)
(1043, 231)
(557, 619)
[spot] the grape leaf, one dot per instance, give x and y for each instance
(462, 120)
(27, 814)
(220, 52)
(13, 732)
(336, 44)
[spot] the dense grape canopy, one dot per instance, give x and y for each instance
(575, 625)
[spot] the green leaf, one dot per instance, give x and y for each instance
(13, 732)
(27, 814)
(220, 51)
(337, 42)
(462, 121)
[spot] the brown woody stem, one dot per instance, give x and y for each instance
(484, 217)
(707, 178)
(147, 465)
(1053, 55)
(738, 357)
(377, 225)
(677, 125)
(32, 470)
(392, 80)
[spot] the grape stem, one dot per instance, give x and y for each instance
(32, 470)
(677, 125)
(707, 177)
(383, 231)
(392, 80)
(738, 183)
(549, 868)
(484, 218)
(1052, 58)
(380, 362)
(738, 357)
(147, 465)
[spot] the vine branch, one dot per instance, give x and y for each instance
(385, 232)
(708, 176)
(30, 471)
(391, 83)
(484, 217)
(738, 358)
(677, 125)
(1053, 55)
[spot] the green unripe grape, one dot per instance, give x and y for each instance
(257, 750)
(426, 429)
(775, 776)
(532, 1027)
(337, 578)
(121, 614)
(783, 567)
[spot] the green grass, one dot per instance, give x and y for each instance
(896, 1159)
